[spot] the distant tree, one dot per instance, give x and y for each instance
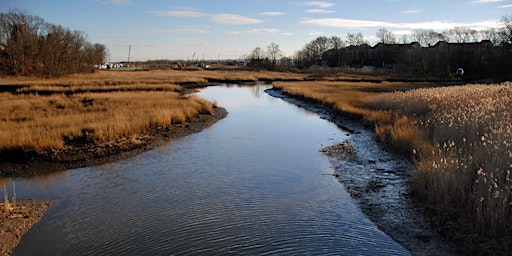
(336, 42)
(460, 35)
(273, 52)
(257, 54)
(505, 28)
(355, 39)
(385, 36)
(404, 39)
(427, 37)
(492, 35)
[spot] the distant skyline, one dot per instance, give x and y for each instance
(229, 29)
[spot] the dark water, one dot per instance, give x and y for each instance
(252, 184)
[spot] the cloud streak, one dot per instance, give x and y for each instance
(182, 14)
(179, 30)
(318, 4)
(273, 13)
(366, 24)
(319, 11)
(257, 31)
(233, 19)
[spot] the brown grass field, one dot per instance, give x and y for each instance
(43, 113)
(458, 137)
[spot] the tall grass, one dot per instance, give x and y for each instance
(467, 168)
(459, 137)
(45, 122)
(43, 114)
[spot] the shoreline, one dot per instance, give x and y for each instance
(14, 223)
(380, 188)
(94, 153)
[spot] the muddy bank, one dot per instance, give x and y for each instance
(377, 181)
(17, 220)
(81, 153)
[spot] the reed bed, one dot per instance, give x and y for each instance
(45, 114)
(464, 158)
(460, 139)
(33, 122)
(347, 97)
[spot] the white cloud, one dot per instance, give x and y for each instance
(319, 11)
(184, 14)
(505, 6)
(257, 31)
(233, 19)
(319, 4)
(345, 23)
(362, 24)
(180, 30)
(273, 13)
(410, 11)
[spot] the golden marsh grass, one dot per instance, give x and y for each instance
(42, 122)
(459, 137)
(468, 166)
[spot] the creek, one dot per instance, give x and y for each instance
(255, 183)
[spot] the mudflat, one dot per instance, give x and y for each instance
(17, 219)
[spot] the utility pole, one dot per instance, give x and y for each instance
(129, 53)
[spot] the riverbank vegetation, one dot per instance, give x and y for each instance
(457, 136)
(41, 116)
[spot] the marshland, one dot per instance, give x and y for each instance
(329, 153)
(457, 137)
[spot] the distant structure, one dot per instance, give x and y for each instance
(459, 72)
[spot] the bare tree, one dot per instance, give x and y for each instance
(385, 36)
(257, 54)
(460, 35)
(336, 42)
(404, 39)
(492, 35)
(505, 29)
(30, 46)
(355, 39)
(273, 52)
(18, 33)
(427, 37)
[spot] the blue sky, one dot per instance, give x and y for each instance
(229, 29)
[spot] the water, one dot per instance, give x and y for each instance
(252, 184)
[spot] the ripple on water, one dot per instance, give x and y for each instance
(250, 188)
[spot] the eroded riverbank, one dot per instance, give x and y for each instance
(377, 180)
(87, 153)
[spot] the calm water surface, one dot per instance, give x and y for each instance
(252, 184)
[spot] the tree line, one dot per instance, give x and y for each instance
(313, 53)
(29, 46)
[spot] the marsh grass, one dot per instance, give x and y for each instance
(465, 171)
(45, 114)
(460, 139)
(46, 122)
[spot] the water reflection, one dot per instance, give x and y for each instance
(251, 184)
